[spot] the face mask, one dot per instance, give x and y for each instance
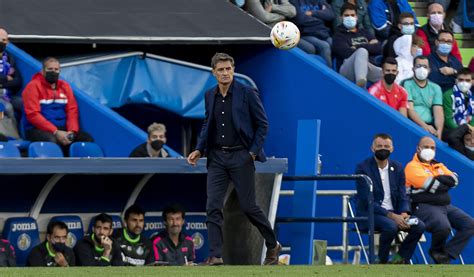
(470, 147)
(389, 78)
(382, 154)
(444, 49)
(239, 3)
(464, 86)
(349, 22)
(59, 247)
(421, 73)
(408, 29)
(419, 52)
(157, 145)
(3, 46)
(427, 154)
(436, 19)
(51, 76)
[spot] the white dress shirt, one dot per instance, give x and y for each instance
(387, 199)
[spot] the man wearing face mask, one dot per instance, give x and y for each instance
(355, 49)
(444, 66)
(425, 99)
(407, 48)
(458, 103)
(50, 109)
(153, 147)
(389, 92)
(384, 15)
(428, 182)
(391, 205)
(10, 80)
(53, 251)
(136, 249)
(462, 139)
(172, 246)
(429, 32)
(405, 27)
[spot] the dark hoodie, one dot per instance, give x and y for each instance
(313, 25)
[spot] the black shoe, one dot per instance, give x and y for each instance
(213, 261)
(440, 257)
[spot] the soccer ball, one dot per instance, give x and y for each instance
(285, 35)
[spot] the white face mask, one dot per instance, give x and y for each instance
(436, 19)
(421, 73)
(470, 147)
(427, 154)
(464, 86)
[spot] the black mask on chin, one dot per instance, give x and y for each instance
(3, 46)
(382, 154)
(59, 247)
(157, 145)
(51, 76)
(389, 78)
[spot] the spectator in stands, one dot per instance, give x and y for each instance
(8, 129)
(136, 249)
(10, 79)
(51, 112)
(384, 15)
(391, 204)
(239, 3)
(7, 254)
(462, 140)
(389, 92)
(407, 48)
(171, 245)
(425, 99)
(444, 66)
(355, 48)
(53, 251)
(98, 249)
(363, 19)
(153, 147)
(457, 21)
(429, 182)
(471, 65)
(311, 19)
(270, 12)
(458, 103)
(232, 137)
(429, 32)
(405, 27)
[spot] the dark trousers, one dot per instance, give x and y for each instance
(34, 134)
(388, 231)
(237, 166)
(439, 220)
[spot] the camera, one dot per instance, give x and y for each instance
(413, 220)
(70, 136)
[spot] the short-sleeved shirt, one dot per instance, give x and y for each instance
(424, 98)
(396, 98)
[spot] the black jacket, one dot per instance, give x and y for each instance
(87, 255)
(13, 85)
(165, 250)
(39, 256)
(456, 141)
(134, 253)
(7, 254)
(313, 25)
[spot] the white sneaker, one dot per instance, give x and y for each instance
(457, 29)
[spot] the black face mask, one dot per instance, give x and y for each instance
(51, 76)
(59, 247)
(3, 46)
(382, 154)
(389, 78)
(157, 145)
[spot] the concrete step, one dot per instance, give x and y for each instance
(466, 54)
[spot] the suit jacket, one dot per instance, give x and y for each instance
(398, 193)
(248, 116)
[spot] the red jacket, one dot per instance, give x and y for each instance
(47, 108)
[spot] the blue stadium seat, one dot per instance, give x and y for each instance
(116, 223)
(195, 226)
(467, 21)
(153, 225)
(23, 234)
(20, 144)
(85, 150)
(74, 224)
(8, 150)
(43, 149)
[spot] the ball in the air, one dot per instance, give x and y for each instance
(285, 35)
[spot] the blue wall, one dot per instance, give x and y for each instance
(294, 87)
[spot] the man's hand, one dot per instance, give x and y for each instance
(399, 220)
(268, 7)
(447, 71)
(308, 13)
(61, 136)
(194, 157)
(107, 244)
(60, 259)
(373, 41)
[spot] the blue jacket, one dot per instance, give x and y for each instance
(313, 25)
(445, 82)
(398, 194)
(248, 116)
(380, 13)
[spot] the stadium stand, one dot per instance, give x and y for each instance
(85, 150)
(75, 226)
(8, 150)
(44, 149)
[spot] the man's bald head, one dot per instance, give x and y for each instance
(435, 7)
(3, 36)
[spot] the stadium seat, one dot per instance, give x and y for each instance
(467, 22)
(20, 144)
(195, 226)
(153, 225)
(116, 223)
(43, 149)
(85, 150)
(23, 234)
(74, 224)
(8, 150)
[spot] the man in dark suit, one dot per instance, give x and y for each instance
(232, 137)
(391, 205)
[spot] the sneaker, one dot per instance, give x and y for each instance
(457, 29)
(362, 83)
(271, 258)
(440, 257)
(213, 261)
(397, 259)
